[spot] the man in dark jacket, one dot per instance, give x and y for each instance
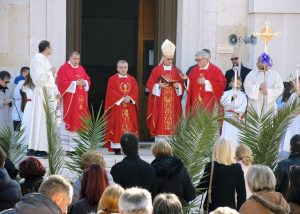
(10, 190)
(283, 167)
(54, 197)
(230, 73)
(132, 171)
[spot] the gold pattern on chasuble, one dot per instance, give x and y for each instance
(81, 101)
(201, 75)
(168, 103)
(126, 120)
(125, 87)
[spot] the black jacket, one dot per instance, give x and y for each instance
(227, 180)
(172, 177)
(132, 171)
(10, 191)
(230, 73)
(36, 203)
(11, 168)
(282, 173)
(82, 206)
(31, 185)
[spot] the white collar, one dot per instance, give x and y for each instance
(120, 76)
(41, 55)
(72, 65)
(205, 67)
(167, 67)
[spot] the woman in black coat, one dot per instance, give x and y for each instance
(228, 183)
(172, 176)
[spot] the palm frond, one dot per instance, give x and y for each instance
(90, 137)
(263, 134)
(13, 144)
(193, 142)
(55, 151)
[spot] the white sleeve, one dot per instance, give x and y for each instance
(276, 91)
(251, 89)
(17, 94)
(226, 99)
(208, 86)
(72, 88)
(179, 91)
(120, 101)
(241, 109)
(156, 91)
(39, 77)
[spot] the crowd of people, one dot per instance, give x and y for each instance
(230, 183)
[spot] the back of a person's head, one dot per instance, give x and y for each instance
(93, 184)
(260, 177)
(109, 201)
(3, 157)
(224, 210)
(91, 157)
(129, 144)
(295, 145)
(161, 149)
(222, 152)
(293, 192)
(167, 203)
(4, 75)
(135, 201)
(243, 153)
(43, 45)
(56, 184)
(31, 168)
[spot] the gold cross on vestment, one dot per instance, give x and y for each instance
(266, 34)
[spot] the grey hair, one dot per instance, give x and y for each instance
(135, 200)
(56, 184)
(203, 54)
(74, 53)
(167, 203)
(122, 61)
(260, 177)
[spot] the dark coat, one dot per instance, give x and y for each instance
(36, 203)
(132, 171)
(31, 185)
(227, 181)
(10, 191)
(11, 168)
(172, 177)
(230, 73)
(282, 173)
(82, 206)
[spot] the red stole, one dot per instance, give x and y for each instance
(74, 105)
(164, 111)
(120, 118)
(196, 92)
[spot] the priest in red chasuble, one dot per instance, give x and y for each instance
(121, 107)
(73, 84)
(206, 84)
(166, 87)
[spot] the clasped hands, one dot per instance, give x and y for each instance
(165, 85)
(201, 80)
(80, 82)
(263, 88)
(127, 99)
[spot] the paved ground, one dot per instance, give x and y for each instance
(109, 158)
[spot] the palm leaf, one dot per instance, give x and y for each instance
(193, 142)
(12, 144)
(263, 134)
(55, 151)
(89, 138)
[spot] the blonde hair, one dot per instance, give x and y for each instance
(243, 153)
(222, 152)
(161, 149)
(260, 177)
(91, 157)
(109, 201)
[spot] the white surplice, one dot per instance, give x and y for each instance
(40, 71)
(26, 121)
(17, 114)
(293, 129)
(263, 103)
(239, 105)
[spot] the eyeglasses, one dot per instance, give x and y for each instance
(7, 81)
(235, 58)
(199, 60)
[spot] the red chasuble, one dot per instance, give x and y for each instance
(121, 118)
(164, 111)
(74, 104)
(196, 92)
